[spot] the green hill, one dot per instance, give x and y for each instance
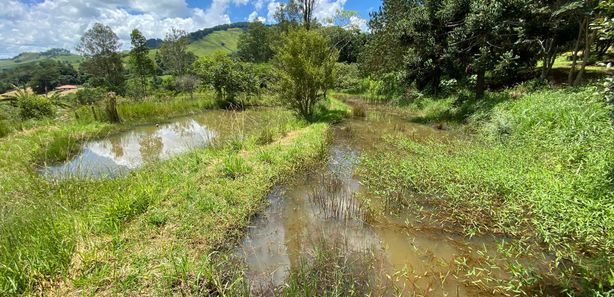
(29, 58)
(225, 41)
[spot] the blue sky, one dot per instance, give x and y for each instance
(37, 25)
(242, 12)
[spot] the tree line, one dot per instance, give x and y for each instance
(481, 42)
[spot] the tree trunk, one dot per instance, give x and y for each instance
(588, 42)
(112, 108)
(549, 57)
(480, 85)
(572, 71)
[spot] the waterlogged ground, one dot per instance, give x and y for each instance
(322, 205)
(418, 257)
(121, 153)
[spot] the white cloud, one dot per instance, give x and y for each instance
(272, 9)
(252, 16)
(259, 4)
(327, 9)
(359, 23)
(60, 23)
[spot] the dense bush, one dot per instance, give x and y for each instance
(229, 78)
(348, 78)
(34, 107)
(88, 96)
(389, 86)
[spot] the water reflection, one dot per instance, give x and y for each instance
(118, 154)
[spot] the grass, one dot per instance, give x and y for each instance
(150, 232)
(538, 168)
(148, 111)
(213, 43)
(332, 270)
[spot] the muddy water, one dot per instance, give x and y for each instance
(121, 153)
(322, 205)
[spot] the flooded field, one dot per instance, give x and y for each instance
(322, 206)
(120, 153)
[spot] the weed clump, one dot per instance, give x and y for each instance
(235, 167)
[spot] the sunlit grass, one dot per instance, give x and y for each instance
(538, 168)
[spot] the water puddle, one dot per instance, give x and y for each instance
(322, 206)
(121, 153)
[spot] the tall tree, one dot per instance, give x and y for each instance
(256, 45)
(307, 7)
(141, 65)
(296, 12)
(488, 35)
(100, 46)
(174, 52)
(585, 38)
(306, 62)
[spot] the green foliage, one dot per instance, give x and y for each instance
(256, 45)
(386, 87)
(348, 78)
(174, 53)
(349, 42)
(100, 46)
(228, 77)
(87, 96)
(33, 106)
(140, 63)
(306, 62)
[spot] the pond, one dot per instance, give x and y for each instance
(118, 154)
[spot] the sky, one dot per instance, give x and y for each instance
(38, 25)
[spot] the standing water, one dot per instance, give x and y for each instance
(322, 206)
(121, 153)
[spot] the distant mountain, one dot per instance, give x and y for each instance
(57, 54)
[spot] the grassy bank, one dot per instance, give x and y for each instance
(537, 168)
(154, 227)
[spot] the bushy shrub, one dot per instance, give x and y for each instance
(389, 86)
(88, 96)
(34, 107)
(232, 80)
(348, 78)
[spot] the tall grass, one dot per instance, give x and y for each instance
(144, 233)
(148, 110)
(540, 168)
(332, 270)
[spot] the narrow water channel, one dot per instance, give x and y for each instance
(322, 205)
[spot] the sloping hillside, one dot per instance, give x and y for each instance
(28, 58)
(226, 41)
